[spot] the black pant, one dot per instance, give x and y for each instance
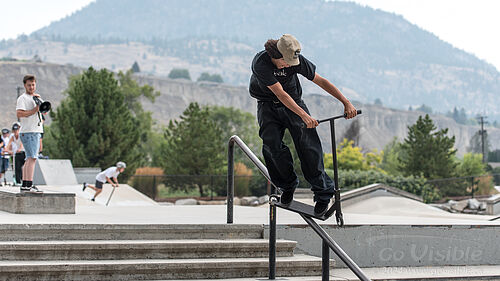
(273, 119)
(19, 162)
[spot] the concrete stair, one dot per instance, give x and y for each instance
(149, 252)
(140, 249)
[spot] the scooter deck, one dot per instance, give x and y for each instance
(303, 209)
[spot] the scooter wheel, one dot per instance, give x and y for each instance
(274, 198)
(340, 219)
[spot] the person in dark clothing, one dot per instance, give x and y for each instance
(16, 148)
(275, 84)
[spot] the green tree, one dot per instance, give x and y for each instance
(350, 157)
(135, 67)
(476, 143)
(494, 156)
(471, 165)
(93, 126)
(424, 108)
(133, 93)
(192, 145)
(426, 152)
(353, 132)
(205, 76)
(179, 73)
(233, 121)
(390, 160)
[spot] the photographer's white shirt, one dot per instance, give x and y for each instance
(30, 124)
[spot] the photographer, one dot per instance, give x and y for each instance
(28, 111)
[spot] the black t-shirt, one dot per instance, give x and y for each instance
(265, 73)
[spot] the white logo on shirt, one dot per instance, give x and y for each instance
(280, 72)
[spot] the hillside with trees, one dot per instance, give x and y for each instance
(369, 53)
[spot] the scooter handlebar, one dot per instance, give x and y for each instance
(333, 118)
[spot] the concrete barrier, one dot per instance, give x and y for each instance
(54, 172)
(493, 205)
(37, 203)
(403, 245)
(86, 174)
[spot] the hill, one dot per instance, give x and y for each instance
(378, 124)
(373, 53)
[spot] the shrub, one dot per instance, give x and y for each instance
(351, 179)
(242, 178)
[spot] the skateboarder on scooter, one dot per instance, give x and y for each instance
(275, 85)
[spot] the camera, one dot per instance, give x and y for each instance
(45, 106)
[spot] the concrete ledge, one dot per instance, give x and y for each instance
(493, 205)
(24, 232)
(374, 190)
(37, 203)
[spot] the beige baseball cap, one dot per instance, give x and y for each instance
(290, 48)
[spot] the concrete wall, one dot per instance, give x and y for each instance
(86, 174)
(493, 205)
(37, 203)
(54, 172)
(403, 245)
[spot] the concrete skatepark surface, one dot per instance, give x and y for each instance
(128, 206)
(372, 216)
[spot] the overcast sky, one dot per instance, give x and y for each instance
(470, 25)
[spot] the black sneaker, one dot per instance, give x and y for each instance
(35, 189)
(286, 198)
(93, 199)
(84, 186)
(320, 208)
(32, 189)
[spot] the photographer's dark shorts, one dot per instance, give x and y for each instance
(4, 164)
(98, 184)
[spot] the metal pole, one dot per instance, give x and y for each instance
(272, 242)
(482, 140)
(472, 186)
(325, 276)
(212, 187)
(336, 248)
(18, 94)
(154, 188)
(109, 199)
(334, 154)
(230, 181)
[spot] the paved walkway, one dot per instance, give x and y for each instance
(489, 272)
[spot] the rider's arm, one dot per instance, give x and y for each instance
(326, 85)
(285, 98)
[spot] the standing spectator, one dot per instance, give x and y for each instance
(2, 148)
(4, 155)
(31, 127)
(15, 148)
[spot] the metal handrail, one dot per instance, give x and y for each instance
(230, 171)
(328, 242)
